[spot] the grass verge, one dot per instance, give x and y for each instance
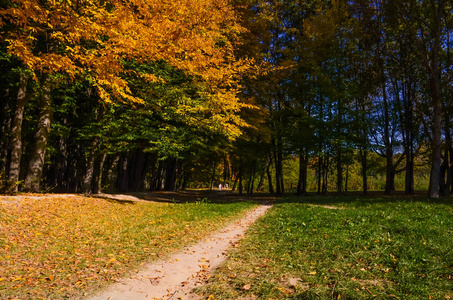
(343, 248)
(59, 248)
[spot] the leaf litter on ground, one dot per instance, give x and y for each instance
(59, 247)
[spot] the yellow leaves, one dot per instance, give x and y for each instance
(91, 40)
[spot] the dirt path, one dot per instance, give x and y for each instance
(176, 276)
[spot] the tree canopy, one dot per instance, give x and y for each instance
(135, 95)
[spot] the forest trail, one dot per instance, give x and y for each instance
(177, 275)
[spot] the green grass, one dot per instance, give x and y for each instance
(61, 248)
(384, 248)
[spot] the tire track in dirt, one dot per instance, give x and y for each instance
(176, 276)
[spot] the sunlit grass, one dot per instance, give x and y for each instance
(62, 247)
(392, 248)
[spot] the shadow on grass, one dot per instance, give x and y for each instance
(119, 201)
(359, 200)
(189, 196)
(227, 196)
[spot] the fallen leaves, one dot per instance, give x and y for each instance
(58, 247)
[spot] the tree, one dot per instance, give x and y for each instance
(92, 40)
(426, 24)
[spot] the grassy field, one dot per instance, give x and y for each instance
(343, 248)
(62, 247)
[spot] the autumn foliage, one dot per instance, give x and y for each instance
(92, 39)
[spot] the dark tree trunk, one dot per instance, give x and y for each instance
(236, 179)
(339, 173)
(214, 165)
(171, 174)
(269, 175)
(88, 180)
(36, 163)
(154, 168)
(363, 156)
(389, 166)
(261, 182)
(319, 179)
(346, 179)
(302, 182)
(111, 174)
(408, 138)
(240, 179)
(443, 186)
(277, 168)
(60, 169)
(435, 79)
(137, 171)
(122, 174)
(5, 127)
(252, 179)
(158, 177)
(226, 168)
(280, 165)
(100, 173)
(16, 132)
(325, 177)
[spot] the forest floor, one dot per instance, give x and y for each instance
(172, 276)
(176, 276)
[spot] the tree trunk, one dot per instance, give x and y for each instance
(325, 177)
(436, 142)
(213, 175)
(123, 174)
(346, 179)
(111, 178)
(36, 163)
(235, 182)
(436, 103)
(252, 179)
(280, 165)
(339, 173)
(302, 182)
(158, 176)
(261, 182)
(277, 173)
(137, 171)
(5, 127)
(16, 132)
(319, 179)
(88, 180)
(100, 172)
(363, 155)
(226, 168)
(408, 138)
(269, 176)
(389, 166)
(171, 174)
(240, 178)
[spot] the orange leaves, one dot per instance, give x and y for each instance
(86, 39)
